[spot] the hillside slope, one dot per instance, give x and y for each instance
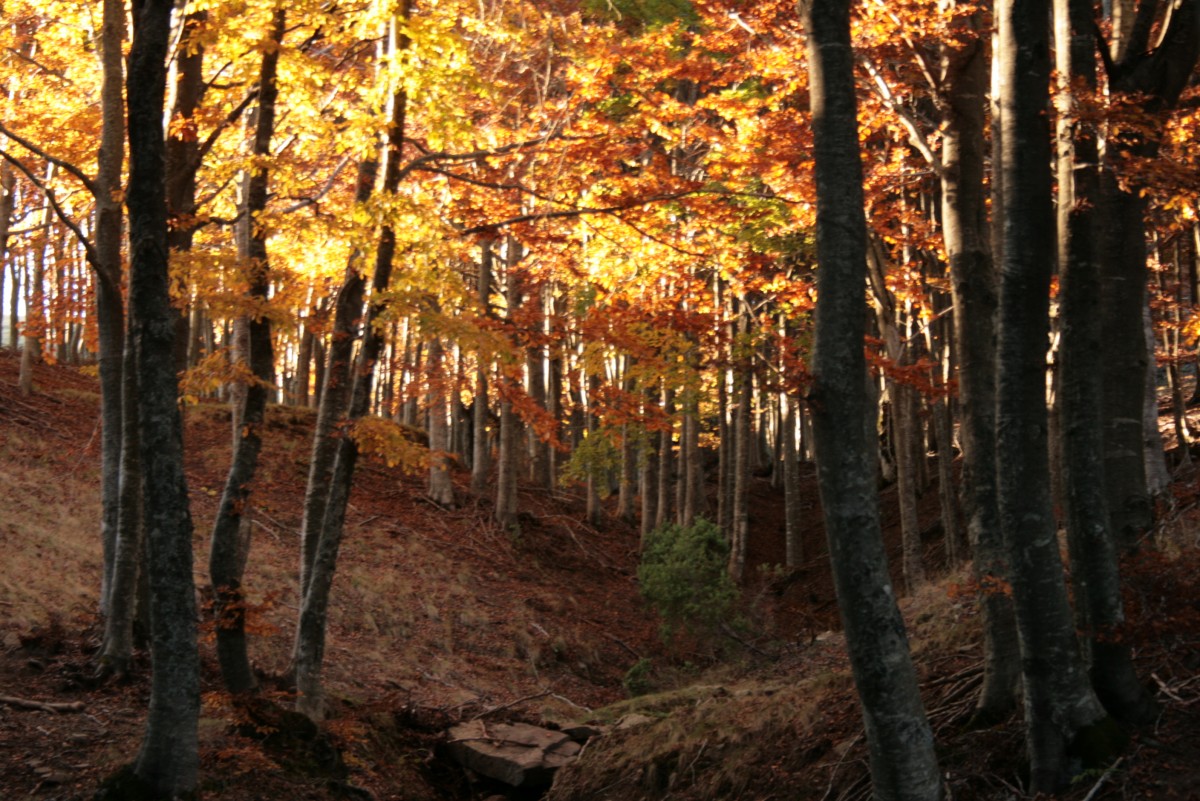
(439, 617)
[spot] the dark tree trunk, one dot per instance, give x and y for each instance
(309, 652)
(481, 447)
(441, 487)
(334, 382)
(1097, 582)
(231, 529)
(1158, 74)
(110, 307)
(903, 763)
(974, 289)
(1059, 702)
(168, 760)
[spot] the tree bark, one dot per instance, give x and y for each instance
(231, 528)
(110, 306)
(441, 487)
(1059, 703)
(481, 446)
(168, 760)
(903, 763)
(1097, 583)
(335, 384)
(309, 652)
(974, 290)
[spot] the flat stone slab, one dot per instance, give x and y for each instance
(517, 754)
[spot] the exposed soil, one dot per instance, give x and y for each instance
(440, 616)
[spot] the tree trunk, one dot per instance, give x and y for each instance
(1059, 703)
(441, 487)
(35, 307)
(128, 570)
(1158, 476)
(1097, 584)
(168, 760)
(1158, 74)
(232, 527)
(110, 306)
(974, 290)
(791, 487)
(666, 461)
(481, 447)
(903, 763)
(309, 652)
(335, 382)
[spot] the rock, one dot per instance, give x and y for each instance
(517, 754)
(632, 721)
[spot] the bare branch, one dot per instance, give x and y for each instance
(57, 162)
(92, 256)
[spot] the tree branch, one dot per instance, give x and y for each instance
(92, 256)
(57, 162)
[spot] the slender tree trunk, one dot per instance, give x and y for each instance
(903, 763)
(744, 384)
(168, 760)
(335, 382)
(1158, 476)
(441, 487)
(1059, 703)
(482, 451)
(1097, 583)
(309, 652)
(974, 290)
(649, 479)
(128, 570)
(232, 526)
(791, 487)
(110, 307)
(35, 306)
(510, 425)
(666, 461)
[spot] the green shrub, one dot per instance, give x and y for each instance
(684, 574)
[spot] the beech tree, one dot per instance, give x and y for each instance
(903, 762)
(1060, 706)
(168, 760)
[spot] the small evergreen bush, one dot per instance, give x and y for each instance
(684, 574)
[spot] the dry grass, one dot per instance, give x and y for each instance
(48, 534)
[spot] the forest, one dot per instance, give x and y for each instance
(697, 310)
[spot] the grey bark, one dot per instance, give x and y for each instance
(168, 759)
(508, 458)
(481, 447)
(110, 306)
(903, 763)
(975, 293)
(1158, 72)
(441, 487)
(1097, 583)
(1059, 702)
(335, 384)
(309, 651)
(791, 487)
(231, 528)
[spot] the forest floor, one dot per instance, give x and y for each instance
(438, 616)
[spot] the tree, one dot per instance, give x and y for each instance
(1060, 707)
(1097, 584)
(309, 652)
(903, 763)
(168, 760)
(231, 529)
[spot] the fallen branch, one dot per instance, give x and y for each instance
(511, 704)
(43, 706)
(1103, 778)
